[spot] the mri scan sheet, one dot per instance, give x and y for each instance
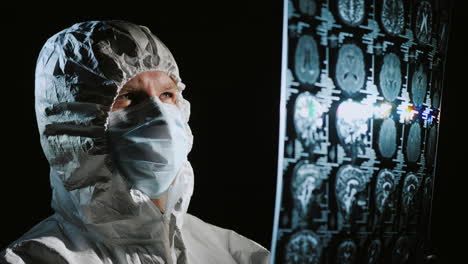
(360, 105)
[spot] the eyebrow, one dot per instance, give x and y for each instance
(130, 88)
(173, 86)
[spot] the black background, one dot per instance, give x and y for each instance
(229, 55)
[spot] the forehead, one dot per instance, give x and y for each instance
(151, 80)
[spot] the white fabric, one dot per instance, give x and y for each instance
(149, 143)
(98, 218)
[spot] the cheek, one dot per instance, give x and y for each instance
(165, 100)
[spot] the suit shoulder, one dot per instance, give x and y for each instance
(241, 248)
(30, 251)
(41, 244)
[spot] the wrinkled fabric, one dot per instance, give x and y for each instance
(149, 144)
(98, 217)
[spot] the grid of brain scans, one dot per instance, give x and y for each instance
(360, 106)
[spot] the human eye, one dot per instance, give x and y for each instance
(131, 98)
(167, 97)
(126, 96)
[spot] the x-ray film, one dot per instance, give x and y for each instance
(351, 11)
(413, 143)
(393, 16)
(307, 7)
(431, 145)
(408, 195)
(305, 187)
(303, 247)
(350, 182)
(346, 253)
(423, 25)
(307, 60)
(387, 138)
(384, 190)
(435, 100)
(401, 250)
(308, 121)
(419, 86)
(374, 252)
(390, 77)
(352, 126)
(350, 70)
(361, 89)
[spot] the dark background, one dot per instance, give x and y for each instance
(229, 55)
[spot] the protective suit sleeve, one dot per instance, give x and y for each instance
(31, 252)
(53, 240)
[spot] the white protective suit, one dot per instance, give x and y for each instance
(98, 218)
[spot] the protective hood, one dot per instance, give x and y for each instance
(78, 75)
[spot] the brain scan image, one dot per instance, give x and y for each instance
(373, 252)
(350, 71)
(419, 86)
(413, 143)
(427, 191)
(431, 145)
(307, 179)
(303, 247)
(387, 138)
(308, 121)
(352, 125)
(307, 7)
(442, 33)
(401, 250)
(351, 11)
(410, 188)
(384, 189)
(349, 184)
(423, 25)
(393, 16)
(306, 60)
(346, 253)
(390, 77)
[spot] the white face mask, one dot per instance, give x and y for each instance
(149, 144)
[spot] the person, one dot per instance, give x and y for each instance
(114, 127)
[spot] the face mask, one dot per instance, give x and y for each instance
(149, 144)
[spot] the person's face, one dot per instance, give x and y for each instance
(144, 85)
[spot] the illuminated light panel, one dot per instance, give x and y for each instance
(382, 111)
(407, 112)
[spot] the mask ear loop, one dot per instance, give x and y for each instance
(171, 203)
